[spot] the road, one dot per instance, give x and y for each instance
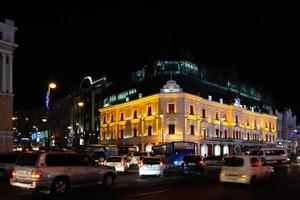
(286, 185)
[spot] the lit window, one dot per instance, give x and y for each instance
(149, 130)
(171, 108)
(192, 130)
(135, 114)
(149, 111)
(192, 110)
(203, 113)
(171, 128)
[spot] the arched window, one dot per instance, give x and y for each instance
(204, 150)
(217, 150)
(148, 147)
(225, 150)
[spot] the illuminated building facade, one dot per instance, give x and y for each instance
(174, 115)
(7, 47)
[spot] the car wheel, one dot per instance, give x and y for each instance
(108, 180)
(271, 177)
(253, 181)
(59, 186)
(2, 174)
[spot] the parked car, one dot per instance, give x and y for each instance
(245, 169)
(214, 160)
(151, 166)
(272, 154)
(58, 171)
(7, 163)
(133, 158)
(119, 162)
(192, 164)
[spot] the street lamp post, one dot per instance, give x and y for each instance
(51, 85)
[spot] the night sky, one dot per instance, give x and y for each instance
(65, 42)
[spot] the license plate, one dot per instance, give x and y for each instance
(23, 173)
(191, 164)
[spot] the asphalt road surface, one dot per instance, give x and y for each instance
(286, 185)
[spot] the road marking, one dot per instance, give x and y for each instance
(148, 193)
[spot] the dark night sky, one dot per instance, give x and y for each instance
(65, 42)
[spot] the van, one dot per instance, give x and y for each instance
(272, 154)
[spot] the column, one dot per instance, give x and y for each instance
(3, 72)
(10, 74)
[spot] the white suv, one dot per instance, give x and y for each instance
(57, 172)
(245, 169)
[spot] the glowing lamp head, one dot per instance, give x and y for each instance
(80, 104)
(52, 85)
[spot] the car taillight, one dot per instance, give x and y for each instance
(13, 173)
(161, 163)
(36, 174)
(243, 175)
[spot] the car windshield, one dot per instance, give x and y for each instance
(192, 159)
(151, 161)
(113, 159)
(27, 159)
(234, 162)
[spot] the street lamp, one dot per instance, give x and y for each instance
(161, 126)
(51, 85)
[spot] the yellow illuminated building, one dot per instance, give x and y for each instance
(173, 115)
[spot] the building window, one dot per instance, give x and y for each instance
(226, 150)
(171, 128)
(203, 113)
(104, 120)
(149, 111)
(122, 117)
(217, 133)
(135, 114)
(149, 130)
(112, 118)
(0, 35)
(270, 125)
(203, 131)
(236, 119)
(266, 125)
(192, 130)
(248, 122)
(122, 133)
(217, 116)
(248, 136)
(171, 108)
(217, 150)
(192, 110)
(255, 124)
(134, 132)
(266, 137)
(225, 133)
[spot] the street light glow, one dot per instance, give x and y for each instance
(52, 85)
(80, 104)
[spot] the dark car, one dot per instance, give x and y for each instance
(214, 160)
(192, 164)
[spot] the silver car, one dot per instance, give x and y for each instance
(56, 172)
(7, 163)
